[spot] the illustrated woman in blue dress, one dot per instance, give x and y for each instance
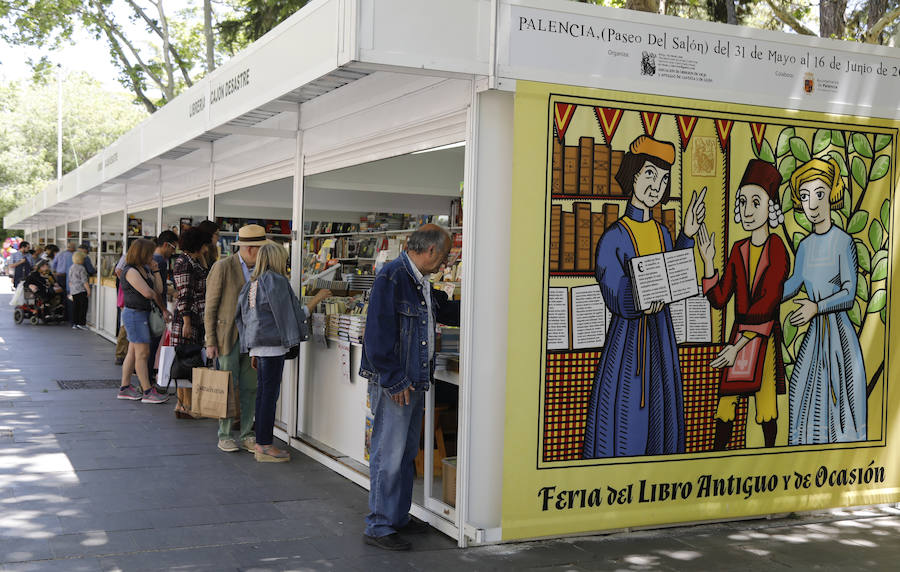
(827, 390)
(636, 405)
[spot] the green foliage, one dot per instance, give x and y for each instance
(784, 141)
(800, 149)
(92, 119)
(765, 152)
(880, 167)
(858, 222)
(836, 155)
(821, 141)
(861, 145)
(253, 18)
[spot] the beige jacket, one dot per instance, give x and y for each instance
(223, 285)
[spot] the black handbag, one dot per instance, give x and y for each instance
(187, 357)
(293, 353)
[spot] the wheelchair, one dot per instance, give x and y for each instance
(40, 311)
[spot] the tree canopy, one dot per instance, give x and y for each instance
(93, 118)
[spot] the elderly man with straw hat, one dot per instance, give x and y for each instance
(223, 285)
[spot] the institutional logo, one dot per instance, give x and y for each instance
(809, 83)
(648, 63)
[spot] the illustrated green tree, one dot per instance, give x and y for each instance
(92, 119)
(864, 158)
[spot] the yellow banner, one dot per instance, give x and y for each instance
(700, 331)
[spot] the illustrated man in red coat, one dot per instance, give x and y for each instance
(754, 275)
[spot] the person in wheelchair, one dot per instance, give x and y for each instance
(46, 291)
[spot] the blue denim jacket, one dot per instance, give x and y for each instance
(395, 346)
(276, 319)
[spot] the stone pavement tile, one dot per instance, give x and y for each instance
(279, 555)
(453, 561)
(285, 529)
(19, 550)
(331, 518)
(64, 565)
(95, 543)
(383, 561)
(184, 516)
(131, 520)
(250, 512)
(194, 536)
(210, 559)
(31, 524)
(528, 554)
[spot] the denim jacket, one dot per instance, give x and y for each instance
(395, 345)
(274, 318)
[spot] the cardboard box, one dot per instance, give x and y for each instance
(449, 480)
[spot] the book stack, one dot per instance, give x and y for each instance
(574, 235)
(615, 161)
(352, 328)
(586, 166)
(332, 326)
(449, 340)
(570, 170)
(583, 169)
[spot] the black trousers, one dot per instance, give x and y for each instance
(79, 309)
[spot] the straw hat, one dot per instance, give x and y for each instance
(251, 235)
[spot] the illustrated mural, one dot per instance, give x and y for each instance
(713, 280)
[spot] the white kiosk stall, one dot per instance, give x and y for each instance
(526, 110)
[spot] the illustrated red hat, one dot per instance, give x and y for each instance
(763, 174)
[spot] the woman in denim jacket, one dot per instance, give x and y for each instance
(271, 321)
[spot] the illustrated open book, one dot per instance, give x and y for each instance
(665, 277)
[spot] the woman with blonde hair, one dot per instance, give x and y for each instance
(827, 390)
(79, 290)
(271, 324)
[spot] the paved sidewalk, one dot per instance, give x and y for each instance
(90, 483)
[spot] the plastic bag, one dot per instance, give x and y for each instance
(19, 296)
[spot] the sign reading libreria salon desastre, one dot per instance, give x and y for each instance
(708, 303)
(661, 54)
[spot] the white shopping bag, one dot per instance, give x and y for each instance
(166, 359)
(19, 296)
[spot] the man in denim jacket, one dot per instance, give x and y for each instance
(398, 361)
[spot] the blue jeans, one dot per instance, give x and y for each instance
(268, 375)
(392, 453)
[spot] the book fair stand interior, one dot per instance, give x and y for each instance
(529, 128)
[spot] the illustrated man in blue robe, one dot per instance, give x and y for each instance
(636, 405)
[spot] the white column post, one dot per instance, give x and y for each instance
(125, 220)
(293, 402)
(98, 295)
(159, 205)
(211, 211)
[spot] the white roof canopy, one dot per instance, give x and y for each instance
(258, 97)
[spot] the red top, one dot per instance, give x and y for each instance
(756, 306)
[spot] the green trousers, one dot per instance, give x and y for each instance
(243, 379)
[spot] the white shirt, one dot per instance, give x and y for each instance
(425, 288)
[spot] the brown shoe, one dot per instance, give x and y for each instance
(269, 454)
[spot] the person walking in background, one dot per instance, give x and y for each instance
(189, 273)
(271, 323)
(223, 285)
(79, 290)
(19, 263)
(49, 254)
(140, 289)
(398, 360)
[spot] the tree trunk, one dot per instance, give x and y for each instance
(643, 5)
(167, 60)
(731, 12)
(832, 22)
(875, 9)
(208, 35)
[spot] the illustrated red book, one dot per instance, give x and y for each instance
(743, 376)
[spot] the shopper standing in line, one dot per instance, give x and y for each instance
(19, 263)
(223, 285)
(121, 337)
(212, 251)
(398, 361)
(166, 245)
(189, 273)
(140, 289)
(79, 290)
(85, 248)
(271, 321)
